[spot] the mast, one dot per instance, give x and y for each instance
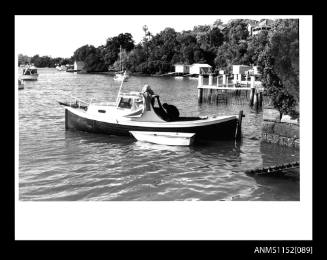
(121, 65)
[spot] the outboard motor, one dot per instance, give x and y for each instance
(172, 111)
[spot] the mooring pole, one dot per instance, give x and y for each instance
(260, 99)
(255, 101)
(238, 133)
(252, 92)
(200, 94)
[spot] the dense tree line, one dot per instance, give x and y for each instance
(43, 61)
(220, 45)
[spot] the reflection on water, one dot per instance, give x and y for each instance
(55, 164)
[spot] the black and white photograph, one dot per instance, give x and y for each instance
(139, 113)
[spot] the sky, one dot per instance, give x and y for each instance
(61, 35)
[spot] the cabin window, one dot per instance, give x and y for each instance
(125, 103)
(102, 111)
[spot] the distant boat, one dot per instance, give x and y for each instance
(166, 138)
(121, 75)
(20, 84)
(29, 73)
(70, 68)
(61, 68)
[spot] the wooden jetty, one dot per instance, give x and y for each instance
(275, 171)
(236, 86)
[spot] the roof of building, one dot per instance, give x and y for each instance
(201, 65)
(265, 22)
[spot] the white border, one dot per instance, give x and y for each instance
(182, 220)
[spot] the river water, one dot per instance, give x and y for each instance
(65, 165)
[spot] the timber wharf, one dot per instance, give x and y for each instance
(236, 86)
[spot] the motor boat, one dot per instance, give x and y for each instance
(121, 76)
(20, 84)
(29, 73)
(133, 112)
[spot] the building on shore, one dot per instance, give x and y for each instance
(182, 68)
(256, 27)
(199, 68)
(194, 69)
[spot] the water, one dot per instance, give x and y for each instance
(55, 164)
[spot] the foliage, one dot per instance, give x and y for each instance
(92, 57)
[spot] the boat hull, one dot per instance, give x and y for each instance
(29, 77)
(218, 131)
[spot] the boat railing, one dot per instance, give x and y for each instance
(76, 101)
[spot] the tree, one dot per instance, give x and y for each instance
(112, 47)
(280, 96)
(285, 49)
(92, 57)
(237, 30)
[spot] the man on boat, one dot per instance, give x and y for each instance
(147, 93)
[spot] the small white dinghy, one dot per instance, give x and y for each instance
(167, 138)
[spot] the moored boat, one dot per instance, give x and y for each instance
(142, 111)
(29, 73)
(20, 84)
(166, 138)
(121, 75)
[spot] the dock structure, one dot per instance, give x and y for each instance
(226, 85)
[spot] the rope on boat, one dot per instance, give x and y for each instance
(277, 170)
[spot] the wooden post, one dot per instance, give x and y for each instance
(255, 100)
(210, 80)
(224, 80)
(217, 81)
(252, 92)
(239, 78)
(252, 81)
(209, 95)
(200, 95)
(260, 99)
(238, 132)
(200, 80)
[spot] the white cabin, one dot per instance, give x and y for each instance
(181, 68)
(198, 68)
(240, 69)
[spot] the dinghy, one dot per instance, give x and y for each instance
(166, 138)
